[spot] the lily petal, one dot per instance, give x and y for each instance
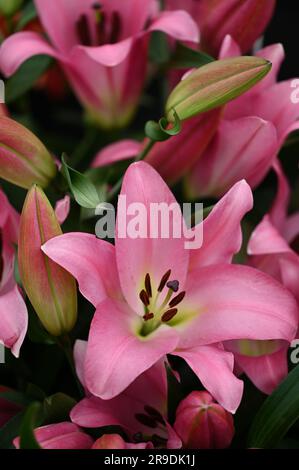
(177, 24)
(62, 209)
(13, 320)
(266, 372)
(242, 148)
(214, 368)
(122, 150)
(87, 258)
(222, 228)
(235, 302)
(116, 354)
(22, 46)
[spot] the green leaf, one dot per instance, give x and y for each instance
(28, 14)
(154, 132)
(81, 187)
(24, 79)
(175, 128)
(33, 418)
(186, 58)
(10, 430)
(57, 408)
(17, 398)
(277, 414)
(159, 51)
(160, 131)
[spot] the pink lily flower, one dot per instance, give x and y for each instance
(153, 297)
(273, 249)
(102, 49)
(245, 21)
(13, 311)
(140, 410)
(60, 436)
(172, 158)
(251, 133)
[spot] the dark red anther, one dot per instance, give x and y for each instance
(116, 28)
(177, 299)
(148, 316)
(169, 315)
(148, 285)
(144, 298)
(146, 420)
(154, 414)
(83, 31)
(164, 280)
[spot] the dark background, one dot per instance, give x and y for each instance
(284, 28)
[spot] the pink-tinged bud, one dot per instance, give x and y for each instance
(203, 424)
(116, 442)
(24, 160)
(215, 84)
(51, 290)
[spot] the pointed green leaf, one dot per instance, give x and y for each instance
(81, 187)
(277, 414)
(26, 76)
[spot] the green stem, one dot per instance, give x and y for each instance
(66, 345)
(84, 146)
(145, 151)
(116, 188)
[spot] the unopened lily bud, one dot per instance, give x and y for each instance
(24, 160)
(51, 290)
(215, 84)
(203, 424)
(10, 7)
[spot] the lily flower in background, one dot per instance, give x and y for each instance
(204, 89)
(51, 290)
(202, 423)
(102, 48)
(141, 409)
(153, 297)
(13, 311)
(245, 21)
(273, 248)
(251, 133)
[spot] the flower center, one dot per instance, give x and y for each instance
(97, 28)
(160, 306)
